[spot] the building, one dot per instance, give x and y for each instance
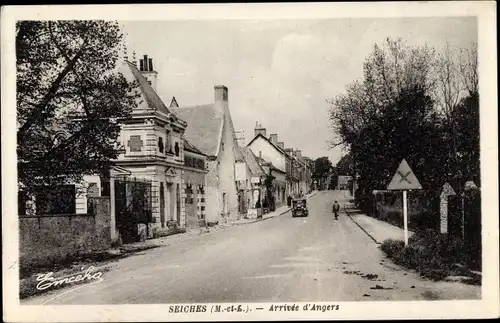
(210, 129)
(250, 178)
(273, 160)
(156, 151)
(344, 182)
(157, 172)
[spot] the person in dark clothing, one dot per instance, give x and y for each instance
(336, 209)
(289, 201)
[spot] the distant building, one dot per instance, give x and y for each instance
(273, 160)
(344, 182)
(250, 179)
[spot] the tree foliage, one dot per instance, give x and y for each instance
(415, 104)
(322, 168)
(69, 99)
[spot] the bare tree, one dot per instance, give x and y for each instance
(449, 85)
(468, 69)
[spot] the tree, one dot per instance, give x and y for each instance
(322, 167)
(396, 112)
(345, 165)
(70, 101)
(269, 197)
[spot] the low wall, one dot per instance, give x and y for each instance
(55, 238)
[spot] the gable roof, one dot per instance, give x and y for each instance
(269, 141)
(151, 99)
(204, 127)
(251, 161)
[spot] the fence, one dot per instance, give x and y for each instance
(134, 208)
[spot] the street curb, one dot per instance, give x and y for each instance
(263, 219)
(363, 229)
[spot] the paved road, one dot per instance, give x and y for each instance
(280, 259)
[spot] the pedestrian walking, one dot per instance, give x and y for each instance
(336, 209)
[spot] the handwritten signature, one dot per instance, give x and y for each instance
(46, 280)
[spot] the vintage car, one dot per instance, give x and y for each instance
(299, 207)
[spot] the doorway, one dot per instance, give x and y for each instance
(162, 205)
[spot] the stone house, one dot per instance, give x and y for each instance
(210, 128)
(250, 178)
(273, 160)
(155, 150)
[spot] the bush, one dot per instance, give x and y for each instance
(432, 255)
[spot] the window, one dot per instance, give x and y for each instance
(189, 194)
(168, 143)
(135, 143)
(56, 200)
(160, 144)
(176, 149)
(149, 82)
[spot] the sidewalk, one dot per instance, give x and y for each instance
(279, 211)
(190, 234)
(378, 230)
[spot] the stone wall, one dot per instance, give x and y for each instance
(51, 239)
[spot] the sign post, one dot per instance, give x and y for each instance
(405, 215)
(403, 180)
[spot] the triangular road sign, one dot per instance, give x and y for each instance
(404, 179)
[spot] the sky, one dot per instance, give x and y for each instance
(279, 72)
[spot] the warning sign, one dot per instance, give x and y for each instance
(404, 179)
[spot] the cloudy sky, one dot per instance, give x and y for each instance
(279, 72)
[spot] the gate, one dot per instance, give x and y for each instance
(133, 205)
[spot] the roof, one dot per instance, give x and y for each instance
(252, 162)
(204, 127)
(269, 141)
(190, 147)
(150, 97)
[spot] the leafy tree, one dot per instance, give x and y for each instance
(345, 165)
(70, 100)
(322, 167)
(396, 112)
(269, 185)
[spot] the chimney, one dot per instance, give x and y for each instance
(281, 144)
(274, 138)
(258, 129)
(298, 153)
(146, 68)
(220, 93)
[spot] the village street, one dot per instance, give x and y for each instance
(280, 259)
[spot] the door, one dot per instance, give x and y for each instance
(190, 207)
(178, 203)
(171, 201)
(162, 204)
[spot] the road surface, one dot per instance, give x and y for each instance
(281, 259)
